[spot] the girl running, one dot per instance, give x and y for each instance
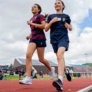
(37, 41)
(59, 23)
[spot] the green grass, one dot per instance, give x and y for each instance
(11, 77)
(16, 77)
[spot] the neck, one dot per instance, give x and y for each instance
(59, 12)
(35, 14)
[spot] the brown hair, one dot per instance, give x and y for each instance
(39, 7)
(63, 4)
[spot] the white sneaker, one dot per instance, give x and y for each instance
(26, 80)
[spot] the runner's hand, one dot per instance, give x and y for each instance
(54, 20)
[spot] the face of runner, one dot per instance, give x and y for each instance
(35, 9)
(59, 6)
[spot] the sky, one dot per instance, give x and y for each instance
(13, 30)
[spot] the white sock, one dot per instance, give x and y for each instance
(28, 77)
(60, 77)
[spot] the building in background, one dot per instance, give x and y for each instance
(19, 63)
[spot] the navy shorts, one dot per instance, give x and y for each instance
(41, 43)
(59, 44)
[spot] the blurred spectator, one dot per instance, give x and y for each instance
(20, 74)
(23, 72)
(1, 75)
(78, 75)
(16, 71)
(11, 72)
(41, 73)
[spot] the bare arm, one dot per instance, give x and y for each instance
(41, 26)
(68, 26)
(48, 25)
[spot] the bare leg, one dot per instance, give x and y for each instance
(40, 52)
(60, 59)
(30, 50)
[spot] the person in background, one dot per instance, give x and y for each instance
(41, 73)
(1, 75)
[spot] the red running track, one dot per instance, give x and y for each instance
(43, 86)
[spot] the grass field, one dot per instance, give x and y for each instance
(11, 77)
(16, 77)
